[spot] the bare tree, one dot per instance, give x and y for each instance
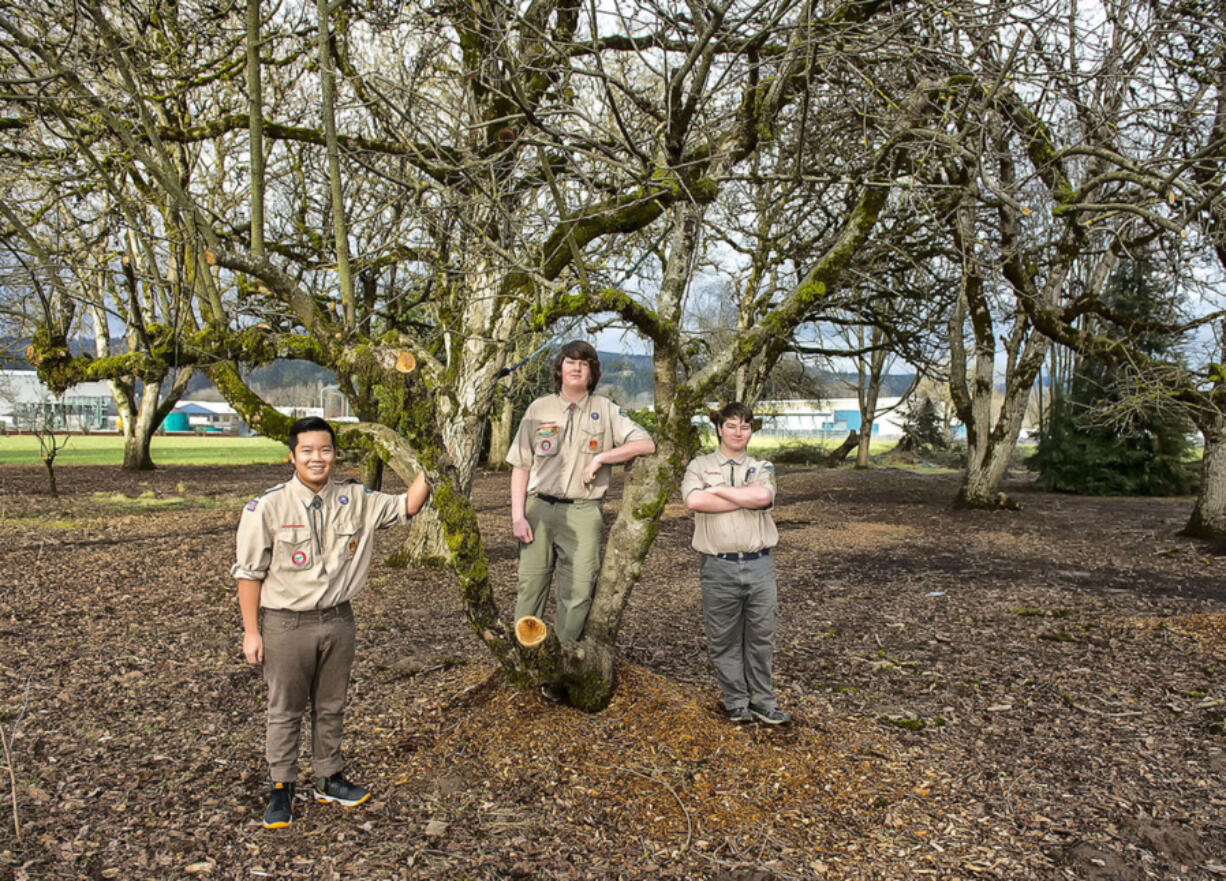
(478, 207)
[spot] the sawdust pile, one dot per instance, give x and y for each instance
(661, 771)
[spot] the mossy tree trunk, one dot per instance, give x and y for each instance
(501, 428)
(1208, 519)
(991, 437)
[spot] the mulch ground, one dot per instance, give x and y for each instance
(1033, 694)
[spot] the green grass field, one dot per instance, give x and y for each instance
(98, 449)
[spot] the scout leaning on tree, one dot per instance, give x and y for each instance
(304, 551)
(560, 472)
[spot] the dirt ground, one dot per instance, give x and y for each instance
(1034, 694)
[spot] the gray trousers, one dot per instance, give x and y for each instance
(739, 609)
(307, 656)
(565, 538)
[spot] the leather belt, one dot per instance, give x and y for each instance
(743, 557)
(319, 614)
(554, 500)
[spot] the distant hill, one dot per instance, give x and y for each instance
(893, 385)
(626, 377)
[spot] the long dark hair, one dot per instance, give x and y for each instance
(577, 350)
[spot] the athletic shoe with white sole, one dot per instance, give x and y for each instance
(773, 716)
(337, 789)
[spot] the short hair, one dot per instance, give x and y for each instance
(577, 350)
(731, 410)
(309, 423)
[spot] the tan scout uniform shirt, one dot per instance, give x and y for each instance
(746, 530)
(312, 558)
(556, 439)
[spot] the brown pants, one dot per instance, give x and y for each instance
(307, 656)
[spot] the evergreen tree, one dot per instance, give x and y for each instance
(1105, 435)
(921, 427)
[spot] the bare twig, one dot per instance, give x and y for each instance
(6, 743)
(689, 823)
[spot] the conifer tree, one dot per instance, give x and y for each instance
(1107, 435)
(921, 427)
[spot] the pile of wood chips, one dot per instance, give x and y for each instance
(662, 772)
(1207, 628)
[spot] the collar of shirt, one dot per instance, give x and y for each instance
(304, 494)
(567, 404)
(724, 460)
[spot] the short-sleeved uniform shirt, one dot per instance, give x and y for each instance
(312, 557)
(745, 530)
(557, 439)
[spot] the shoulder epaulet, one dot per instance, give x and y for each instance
(255, 503)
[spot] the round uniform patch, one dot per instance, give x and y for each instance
(593, 444)
(298, 558)
(546, 446)
(344, 500)
(353, 545)
(595, 417)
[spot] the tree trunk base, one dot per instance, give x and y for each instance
(993, 502)
(587, 669)
(835, 457)
(1198, 528)
(584, 668)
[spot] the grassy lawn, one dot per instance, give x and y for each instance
(99, 449)
(771, 447)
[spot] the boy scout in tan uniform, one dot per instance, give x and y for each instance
(559, 474)
(304, 551)
(731, 493)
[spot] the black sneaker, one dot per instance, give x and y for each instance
(740, 715)
(336, 788)
(774, 716)
(280, 811)
(555, 693)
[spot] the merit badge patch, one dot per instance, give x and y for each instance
(353, 545)
(344, 500)
(546, 446)
(593, 444)
(298, 558)
(253, 504)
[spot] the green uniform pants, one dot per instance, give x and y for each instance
(565, 538)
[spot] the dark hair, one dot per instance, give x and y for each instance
(309, 423)
(579, 351)
(731, 410)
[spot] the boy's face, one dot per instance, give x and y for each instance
(314, 458)
(734, 435)
(576, 374)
